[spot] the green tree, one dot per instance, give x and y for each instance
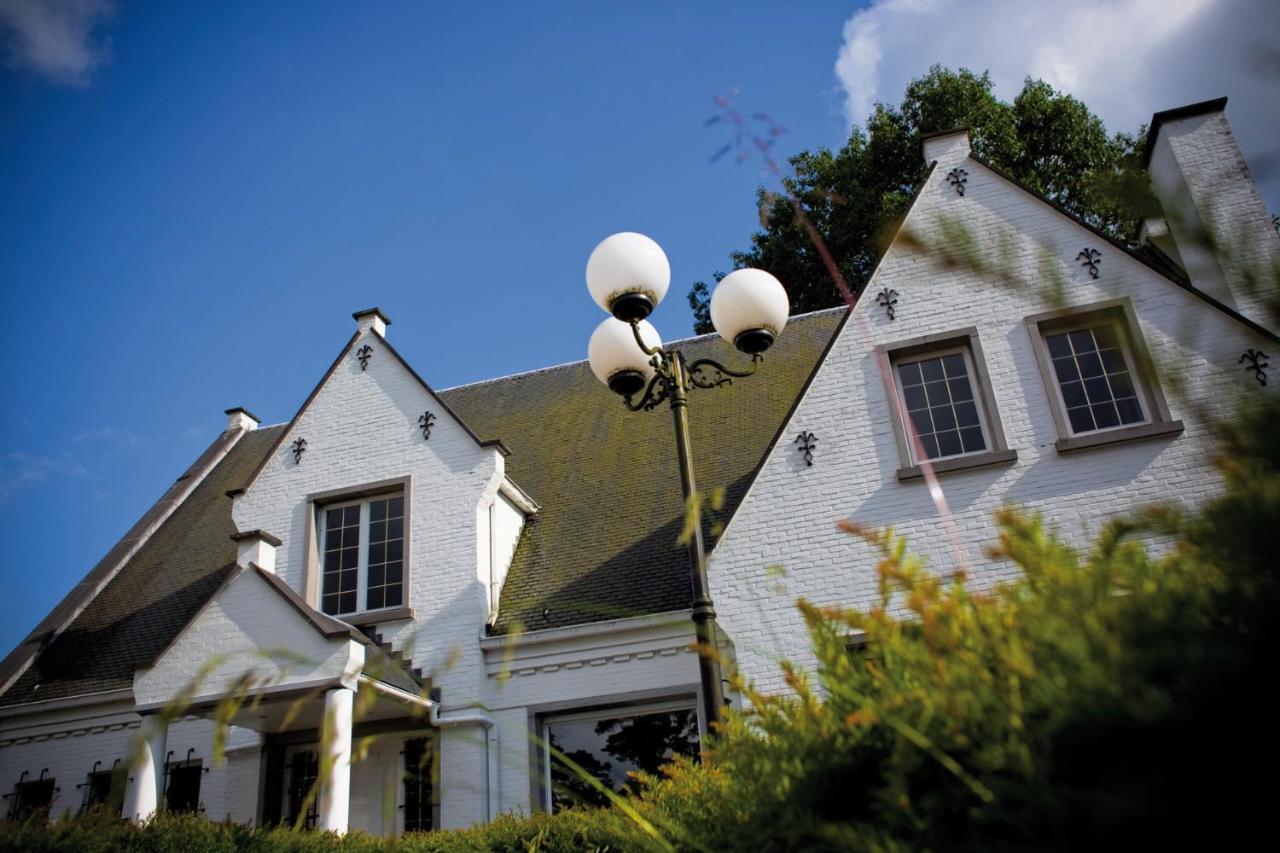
(853, 197)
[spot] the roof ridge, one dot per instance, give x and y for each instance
(564, 364)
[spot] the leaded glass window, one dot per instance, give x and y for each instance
(417, 785)
(939, 398)
(304, 769)
(362, 555)
(1094, 378)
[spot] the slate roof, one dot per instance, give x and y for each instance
(604, 544)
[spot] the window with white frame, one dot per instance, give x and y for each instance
(1098, 376)
(611, 744)
(944, 412)
(361, 549)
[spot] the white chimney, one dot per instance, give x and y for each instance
(241, 418)
(1214, 211)
(256, 547)
(946, 146)
(372, 319)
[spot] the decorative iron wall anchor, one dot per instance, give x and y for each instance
(424, 423)
(958, 178)
(1090, 259)
(808, 443)
(888, 298)
(364, 354)
(299, 447)
(1257, 363)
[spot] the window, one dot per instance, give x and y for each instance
(182, 785)
(418, 800)
(304, 770)
(104, 789)
(30, 797)
(611, 744)
(1097, 375)
(362, 555)
(944, 412)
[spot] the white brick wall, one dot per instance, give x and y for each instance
(789, 515)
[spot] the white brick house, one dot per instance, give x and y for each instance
(441, 580)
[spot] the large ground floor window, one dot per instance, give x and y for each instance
(610, 744)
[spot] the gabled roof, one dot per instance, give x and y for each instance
(604, 544)
(153, 597)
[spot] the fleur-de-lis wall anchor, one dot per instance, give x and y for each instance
(1257, 363)
(299, 448)
(1090, 258)
(808, 443)
(424, 423)
(888, 298)
(958, 178)
(364, 354)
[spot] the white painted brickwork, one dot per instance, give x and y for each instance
(788, 518)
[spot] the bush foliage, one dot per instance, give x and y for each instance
(1108, 696)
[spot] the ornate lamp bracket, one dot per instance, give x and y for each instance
(1258, 364)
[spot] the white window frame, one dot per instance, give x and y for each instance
(362, 554)
(1119, 314)
(972, 375)
(611, 712)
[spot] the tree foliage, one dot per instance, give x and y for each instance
(853, 197)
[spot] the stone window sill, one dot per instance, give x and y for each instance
(378, 617)
(962, 463)
(1118, 436)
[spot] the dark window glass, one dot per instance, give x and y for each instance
(417, 785)
(944, 408)
(341, 560)
(304, 769)
(611, 748)
(182, 790)
(1106, 397)
(104, 789)
(30, 798)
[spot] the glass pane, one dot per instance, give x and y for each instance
(931, 370)
(1073, 394)
(1098, 390)
(954, 365)
(347, 602)
(937, 393)
(921, 421)
(930, 446)
(352, 516)
(1059, 346)
(350, 558)
(1090, 365)
(395, 507)
(1082, 341)
(393, 597)
(972, 439)
(1105, 415)
(910, 374)
(1066, 369)
(1105, 336)
(1120, 385)
(943, 418)
(609, 749)
(1112, 360)
(395, 549)
(967, 414)
(914, 397)
(377, 510)
(960, 389)
(1130, 411)
(1081, 420)
(395, 528)
(949, 443)
(375, 599)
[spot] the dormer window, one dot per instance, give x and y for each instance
(362, 554)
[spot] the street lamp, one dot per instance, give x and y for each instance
(627, 275)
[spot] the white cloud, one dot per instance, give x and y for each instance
(60, 39)
(1124, 58)
(20, 470)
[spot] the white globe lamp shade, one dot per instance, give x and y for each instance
(627, 275)
(617, 360)
(749, 308)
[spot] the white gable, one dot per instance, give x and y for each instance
(789, 516)
(247, 628)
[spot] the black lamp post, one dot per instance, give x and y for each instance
(628, 274)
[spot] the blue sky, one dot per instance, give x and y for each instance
(195, 197)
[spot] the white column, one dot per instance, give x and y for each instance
(142, 795)
(335, 792)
